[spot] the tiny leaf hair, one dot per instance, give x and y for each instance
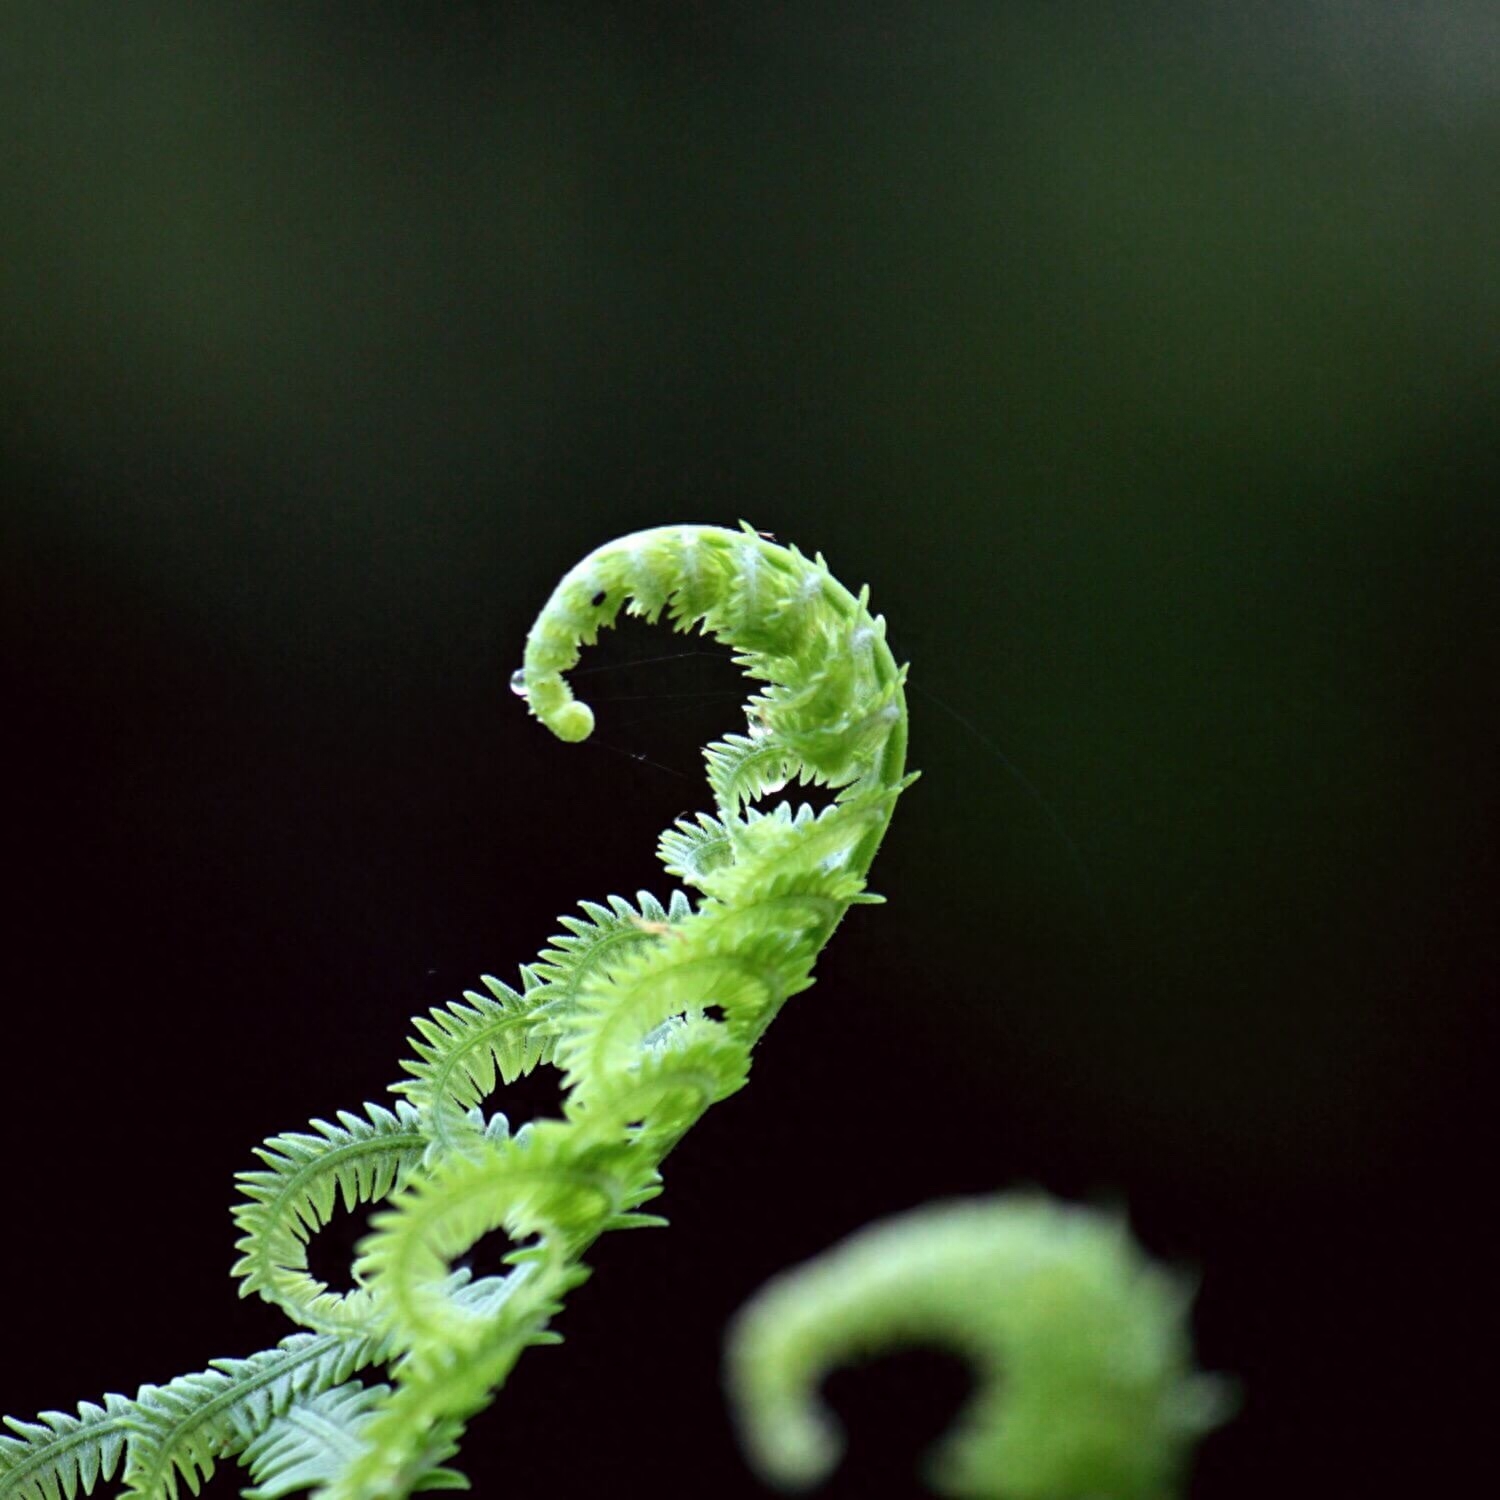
(1079, 1347)
(650, 1012)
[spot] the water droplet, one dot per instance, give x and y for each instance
(518, 682)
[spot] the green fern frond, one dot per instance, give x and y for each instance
(693, 850)
(180, 1430)
(442, 1385)
(651, 1011)
(311, 1442)
(58, 1456)
(1084, 1384)
(461, 1047)
(316, 1438)
(361, 1159)
(686, 1066)
(590, 948)
(419, 1423)
(801, 904)
(542, 1185)
(829, 839)
(743, 768)
(703, 962)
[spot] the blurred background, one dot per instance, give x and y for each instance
(1141, 358)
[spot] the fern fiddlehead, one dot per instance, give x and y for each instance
(650, 1013)
(1083, 1380)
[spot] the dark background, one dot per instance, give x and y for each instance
(1143, 361)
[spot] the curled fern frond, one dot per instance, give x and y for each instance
(591, 948)
(542, 1186)
(1078, 1343)
(649, 1010)
(687, 1065)
(693, 850)
(294, 1195)
(742, 769)
(703, 965)
(463, 1046)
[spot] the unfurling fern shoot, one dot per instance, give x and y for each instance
(650, 1011)
(1084, 1384)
